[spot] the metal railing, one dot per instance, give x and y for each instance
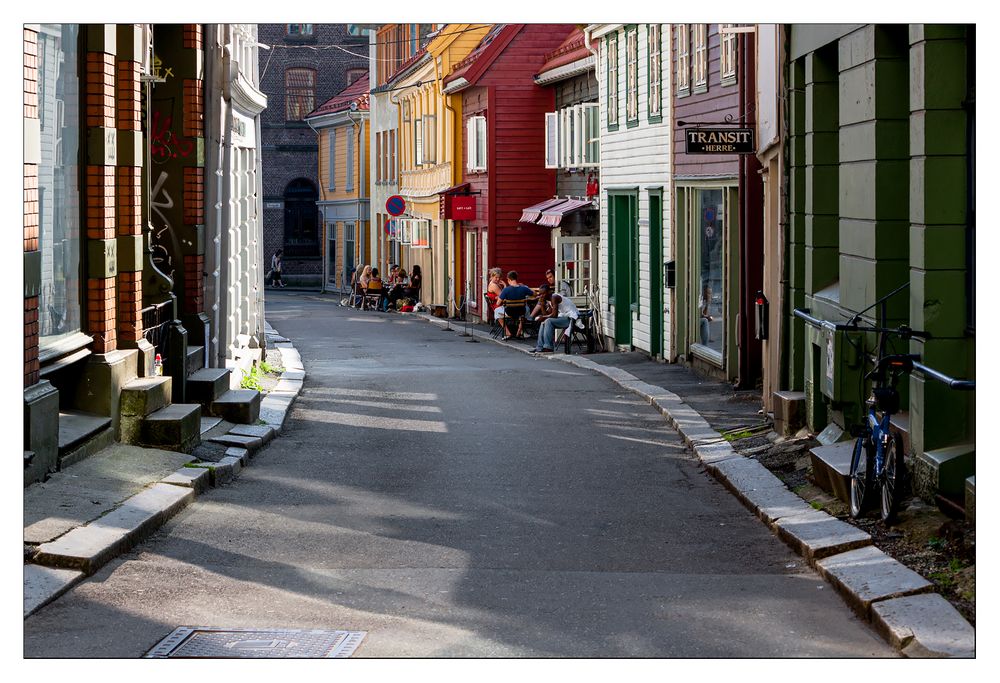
(958, 384)
(155, 321)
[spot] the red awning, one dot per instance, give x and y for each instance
(552, 217)
(533, 213)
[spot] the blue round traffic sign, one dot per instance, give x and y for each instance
(395, 205)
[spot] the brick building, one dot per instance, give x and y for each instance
(297, 76)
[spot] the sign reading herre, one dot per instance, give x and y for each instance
(720, 141)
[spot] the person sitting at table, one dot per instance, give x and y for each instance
(561, 314)
(563, 289)
(375, 285)
(413, 291)
(493, 289)
(398, 289)
(514, 299)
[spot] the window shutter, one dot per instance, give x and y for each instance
(592, 133)
(349, 166)
(551, 133)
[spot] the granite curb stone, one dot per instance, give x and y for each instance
(196, 478)
(815, 535)
(88, 548)
(867, 575)
(924, 625)
(242, 454)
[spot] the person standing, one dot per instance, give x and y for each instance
(276, 266)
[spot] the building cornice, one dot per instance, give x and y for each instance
(566, 71)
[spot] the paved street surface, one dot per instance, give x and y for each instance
(460, 499)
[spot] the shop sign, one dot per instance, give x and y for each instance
(720, 141)
(463, 207)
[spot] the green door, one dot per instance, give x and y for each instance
(621, 266)
(656, 274)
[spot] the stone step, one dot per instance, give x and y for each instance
(76, 427)
(145, 395)
(207, 384)
(241, 406)
(900, 422)
(944, 471)
(176, 427)
(831, 467)
(195, 358)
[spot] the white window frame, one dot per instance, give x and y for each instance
(418, 142)
(699, 77)
(728, 55)
(578, 283)
(475, 131)
(632, 75)
(683, 40)
(429, 124)
(403, 230)
(611, 60)
(420, 236)
(654, 79)
(573, 136)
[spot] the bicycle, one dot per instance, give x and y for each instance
(880, 449)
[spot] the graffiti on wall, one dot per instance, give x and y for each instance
(164, 143)
(163, 238)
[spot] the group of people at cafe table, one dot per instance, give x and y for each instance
(513, 303)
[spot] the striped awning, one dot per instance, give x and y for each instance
(533, 213)
(552, 216)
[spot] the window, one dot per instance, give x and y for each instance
(406, 111)
(392, 155)
(332, 136)
(612, 89)
(700, 67)
(727, 55)
(705, 210)
(430, 138)
(331, 255)
(300, 93)
(350, 245)
(418, 143)
(379, 158)
(300, 30)
(355, 74)
(470, 269)
(631, 76)
(655, 77)
(475, 129)
(573, 264)
(58, 184)
(349, 165)
(403, 230)
(301, 224)
(573, 136)
(420, 237)
(683, 60)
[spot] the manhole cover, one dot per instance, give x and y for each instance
(187, 642)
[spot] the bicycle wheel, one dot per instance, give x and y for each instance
(862, 476)
(893, 478)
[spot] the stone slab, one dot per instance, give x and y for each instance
(226, 470)
(867, 575)
(816, 535)
(772, 504)
(242, 454)
(263, 432)
(298, 375)
(251, 443)
(743, 476)
(192, 477)
(42, 585)
(716, 452)
(88, 548)
(644, 389)
(291, 386)
(832, 467)
(616, 373)
(924, 625)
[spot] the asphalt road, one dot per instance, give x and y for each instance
(461, 499)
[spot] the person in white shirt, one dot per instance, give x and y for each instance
(561, 314)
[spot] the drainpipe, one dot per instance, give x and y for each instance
(325, 276)
(359, 124)
(449, 271)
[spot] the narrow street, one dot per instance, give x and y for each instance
(460, 499)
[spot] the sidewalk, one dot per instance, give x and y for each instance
(83, 517)
(899, 603)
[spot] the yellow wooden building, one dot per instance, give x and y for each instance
(430, 159)
(342, 133)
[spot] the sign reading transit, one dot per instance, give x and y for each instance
(720, 141)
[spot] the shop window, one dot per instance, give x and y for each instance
(707, 218)
(59, 314)
(300, 93)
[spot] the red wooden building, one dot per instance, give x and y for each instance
(503, 112)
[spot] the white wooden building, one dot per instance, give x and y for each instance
(633, 73)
